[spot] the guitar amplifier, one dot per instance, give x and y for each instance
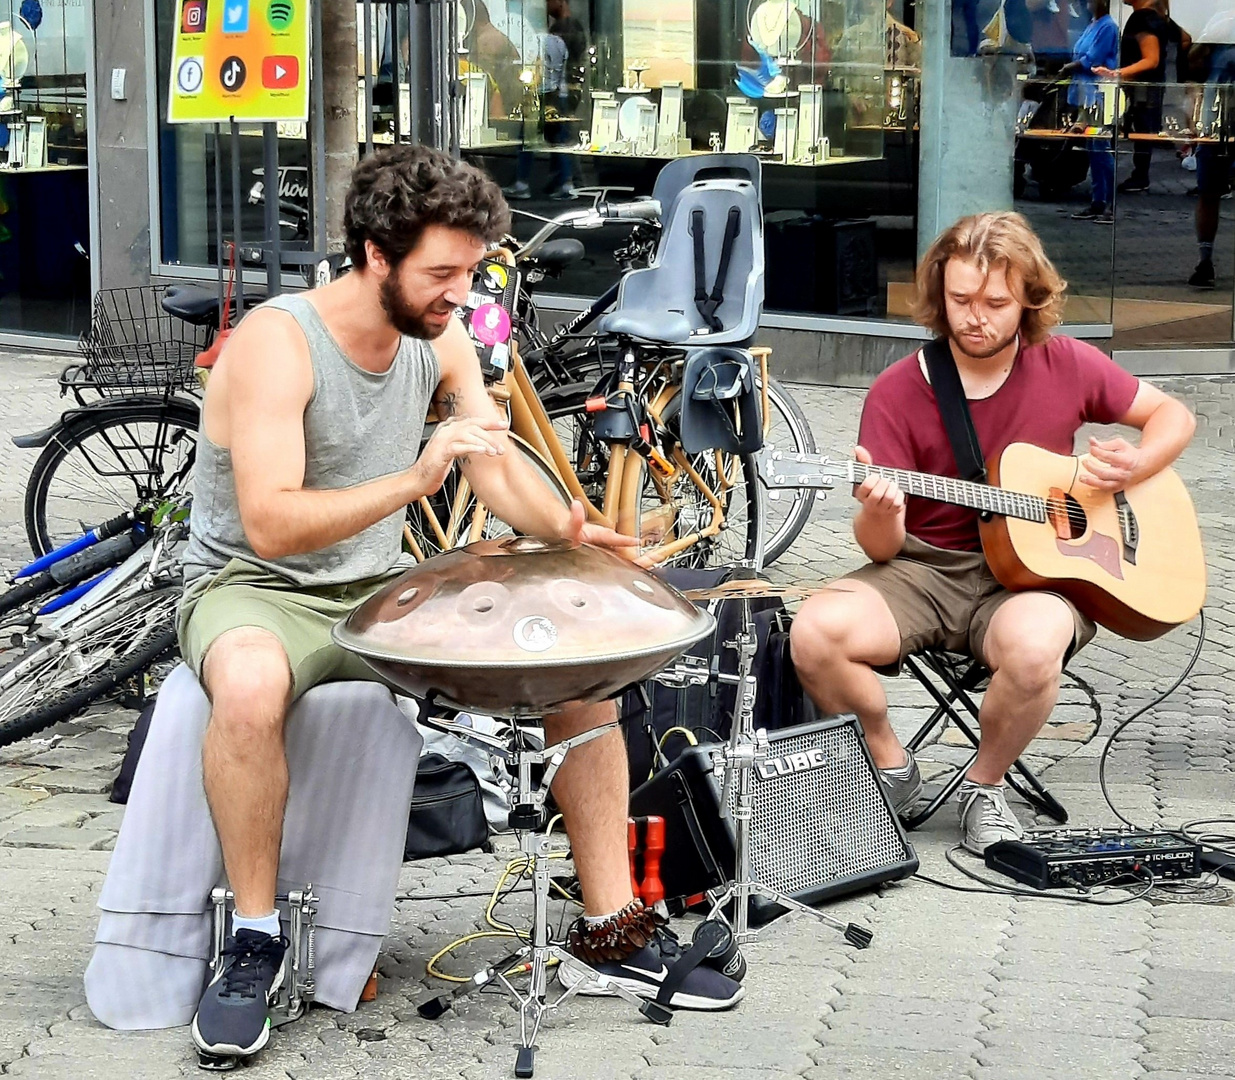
(822, 823)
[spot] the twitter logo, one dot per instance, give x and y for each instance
(235, 16)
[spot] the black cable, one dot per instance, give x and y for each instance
(1110, 739)
(1213, 841)
(457, 895)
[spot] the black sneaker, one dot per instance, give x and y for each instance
(1090, 213)
(233, 1018)
(654, 952)
(1203, 276)
(705, 989)
(1133, 184)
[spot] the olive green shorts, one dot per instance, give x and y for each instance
(242, 594)
(944, 599)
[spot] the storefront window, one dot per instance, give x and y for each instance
(44, 177)
(566, 95)
(1125, 178)
(192, 156)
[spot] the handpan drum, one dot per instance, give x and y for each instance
(522, 626)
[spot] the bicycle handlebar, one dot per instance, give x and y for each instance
(639, 210)
(592, 218)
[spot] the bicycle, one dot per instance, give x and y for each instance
(116, 628)
(130, 439)
(566, 364)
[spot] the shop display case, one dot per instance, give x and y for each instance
(805, 83)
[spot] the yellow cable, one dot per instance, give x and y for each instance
(521, 865)
(690, 736)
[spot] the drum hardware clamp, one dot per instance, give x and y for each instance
(299, 986)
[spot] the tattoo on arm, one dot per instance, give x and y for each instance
(448, 404)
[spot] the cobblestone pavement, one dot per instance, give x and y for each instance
(987, 987)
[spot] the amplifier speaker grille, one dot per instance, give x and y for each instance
(822, 824)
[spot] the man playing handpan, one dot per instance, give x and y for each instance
(308, 454)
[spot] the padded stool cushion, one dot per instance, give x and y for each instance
(352, 755)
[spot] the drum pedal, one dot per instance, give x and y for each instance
(299, 985)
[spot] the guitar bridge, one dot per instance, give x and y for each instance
(1129, 530)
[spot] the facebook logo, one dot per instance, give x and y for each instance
(236, 16)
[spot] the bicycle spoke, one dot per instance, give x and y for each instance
(99, 640)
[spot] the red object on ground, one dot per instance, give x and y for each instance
(652, 889)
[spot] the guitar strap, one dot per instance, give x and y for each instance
(950, 397)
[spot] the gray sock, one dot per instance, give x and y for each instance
(1207, 251)
(266, 924)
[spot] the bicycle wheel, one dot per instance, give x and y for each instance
(684, 509)
(56, 680)
(105, 461)
(449, 518)
(786, 512)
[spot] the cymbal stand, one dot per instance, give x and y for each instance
(527, 818)
(746, 749)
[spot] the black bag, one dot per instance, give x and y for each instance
(447, 816)
(123, 783)
(707, 711)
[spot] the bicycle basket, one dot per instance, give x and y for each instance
(134, 346)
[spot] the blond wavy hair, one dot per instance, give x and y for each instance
(991, 240)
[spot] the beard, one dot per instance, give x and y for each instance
(405, 317)
(984, 351)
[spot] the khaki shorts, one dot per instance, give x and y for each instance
(242, 594)
(945, 600)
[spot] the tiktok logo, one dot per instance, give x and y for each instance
(232, 74)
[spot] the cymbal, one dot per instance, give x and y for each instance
(750, 589)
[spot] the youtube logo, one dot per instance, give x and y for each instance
(280, 72)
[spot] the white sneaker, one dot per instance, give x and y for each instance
(985, 816)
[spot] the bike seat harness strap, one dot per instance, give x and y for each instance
(708, 303)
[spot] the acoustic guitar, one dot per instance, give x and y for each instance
(1132, 560)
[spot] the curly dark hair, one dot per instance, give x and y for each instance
(397, 192)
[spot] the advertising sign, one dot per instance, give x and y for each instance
(242, 59)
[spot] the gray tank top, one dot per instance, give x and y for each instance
(358, 426)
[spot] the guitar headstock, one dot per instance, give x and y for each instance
(790, 469)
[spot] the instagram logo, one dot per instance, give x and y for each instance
(193, 17)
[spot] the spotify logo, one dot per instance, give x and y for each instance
(280, 13)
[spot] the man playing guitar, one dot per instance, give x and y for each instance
(988, 287)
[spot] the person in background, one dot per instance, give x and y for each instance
(493, 53)
(564, 54)
(1142, 63)
(1097, 47)
(1214, 160)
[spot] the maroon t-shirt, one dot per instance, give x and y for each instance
(1052, 390)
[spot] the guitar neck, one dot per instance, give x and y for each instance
(983, 497)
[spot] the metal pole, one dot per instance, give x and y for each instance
(270, 172)
(368, 76)
(317, 136)
(396, 81)
(452, 74)
(236, 228)
(218, 214)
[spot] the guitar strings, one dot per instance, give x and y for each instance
(1074, 511)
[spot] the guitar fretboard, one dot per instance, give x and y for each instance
(984, 497)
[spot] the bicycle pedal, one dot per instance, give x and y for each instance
(209, 1062)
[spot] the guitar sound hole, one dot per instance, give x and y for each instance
(1077, 521)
